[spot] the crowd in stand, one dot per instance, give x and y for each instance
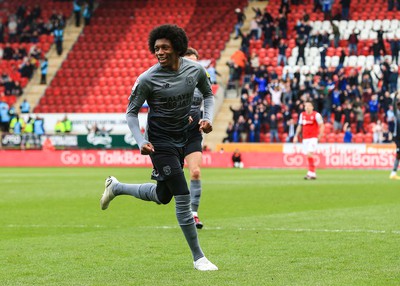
(20, 32)
(347, 98)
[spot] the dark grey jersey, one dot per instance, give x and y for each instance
(169, 95)
(195, 111)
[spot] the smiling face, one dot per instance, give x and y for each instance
(166, 55)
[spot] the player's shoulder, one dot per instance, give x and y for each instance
(191, 63)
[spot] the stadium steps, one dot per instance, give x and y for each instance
(34, 90)
(225, 115)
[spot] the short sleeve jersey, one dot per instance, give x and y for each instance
(169, 95)
(310, 124)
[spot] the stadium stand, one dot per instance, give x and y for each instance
(112, 51)
(33, 16)
(366, 18)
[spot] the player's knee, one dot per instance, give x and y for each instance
(163, 194)
(195, 173)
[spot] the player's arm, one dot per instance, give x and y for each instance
(298, 130)
(296, 135)
(136, 99)
(204, 85)
(321, 125)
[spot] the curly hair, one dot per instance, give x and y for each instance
(175, 34)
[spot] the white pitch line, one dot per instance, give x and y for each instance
(50, 226)
(271, 229)
(291, 229)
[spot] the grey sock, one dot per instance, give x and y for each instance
(396, 165)
(186, 222)
(146, 192)
(195, 194)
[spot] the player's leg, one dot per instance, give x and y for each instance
(177, 184)
(393, 174)
(170, 166)
(311, 145)
(157, 193)
(194, 161)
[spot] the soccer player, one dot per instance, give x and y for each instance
(168, 88)
(396, 137)
(193, 150)
(312, 125)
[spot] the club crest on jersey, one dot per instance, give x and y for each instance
(190, 80)
(167, 170)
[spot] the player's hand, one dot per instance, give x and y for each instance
(295, 139)
(205, 126)
(147, 149)
(190, 119)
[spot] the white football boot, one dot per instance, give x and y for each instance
(203, 264)
(108, 195)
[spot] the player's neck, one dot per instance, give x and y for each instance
(175, 65)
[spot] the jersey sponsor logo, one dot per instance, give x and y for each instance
(166, 85)
(190, 80)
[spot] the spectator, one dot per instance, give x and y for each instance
(348, 136)
(337, 123)
(282, 53)
(4, 117)
(67, 124)
(359, 114)
(237, 159)
(87, 14)
(27, 134)
(327, 9)
(390, 118)
(59, 127)
(59, 38)
(268, 30)
(17, 89)
(12, 29)
(374, 107)
(377, 131)
(291, 130)
(393, 79)
(273, 128)
(38, 130)
(17, 124)
(386, 135)
(345, 9)
(322, 51)
(77, 12)
(395, 48)
(213, 73)
(8, 52)
(376, 51)
(229, 134)
(283, 26)
(43, 69)
(353, 41)
(2, 28)
(25, 107)
(240, 20)
(379, 36)
(301, 44)
(336, 34)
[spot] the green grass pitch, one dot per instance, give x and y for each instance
(262, 227)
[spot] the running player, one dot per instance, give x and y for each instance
(168, 88)
(396, 137)
(312, 125)
(193, 150)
